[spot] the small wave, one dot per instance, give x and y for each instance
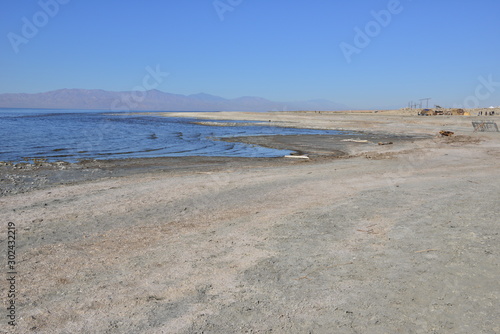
(57, 156)
(115, 153)
(152, 149)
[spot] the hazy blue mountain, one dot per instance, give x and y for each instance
(153, 100)
(206, 97)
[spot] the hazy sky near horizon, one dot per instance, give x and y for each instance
(365, 54)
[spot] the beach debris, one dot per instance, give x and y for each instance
(426, 112)
(446, 133)
(356, 140)
(485, 126)
(427, 250)
(385, 143)
(370, 231)
(457, 112)
(297, 156)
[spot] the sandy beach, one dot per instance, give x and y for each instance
(359, 238)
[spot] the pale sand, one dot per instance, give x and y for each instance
(400, 238)
(391, 121)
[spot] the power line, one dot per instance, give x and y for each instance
(426, 99)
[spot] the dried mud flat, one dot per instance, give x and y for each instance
(400, 238)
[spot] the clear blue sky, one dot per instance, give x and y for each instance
(280, 50)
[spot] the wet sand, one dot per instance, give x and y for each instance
(399, 238)
(24, 177)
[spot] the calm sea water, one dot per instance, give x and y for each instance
(72, 135)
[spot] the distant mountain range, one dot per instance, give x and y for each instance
(154, 100)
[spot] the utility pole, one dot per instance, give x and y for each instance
(427, 100)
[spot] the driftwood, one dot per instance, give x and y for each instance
(297, 156)
(446, 133)
(356, 140)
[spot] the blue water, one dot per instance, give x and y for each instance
(73, 135)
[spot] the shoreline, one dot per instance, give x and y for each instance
(24, 177)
